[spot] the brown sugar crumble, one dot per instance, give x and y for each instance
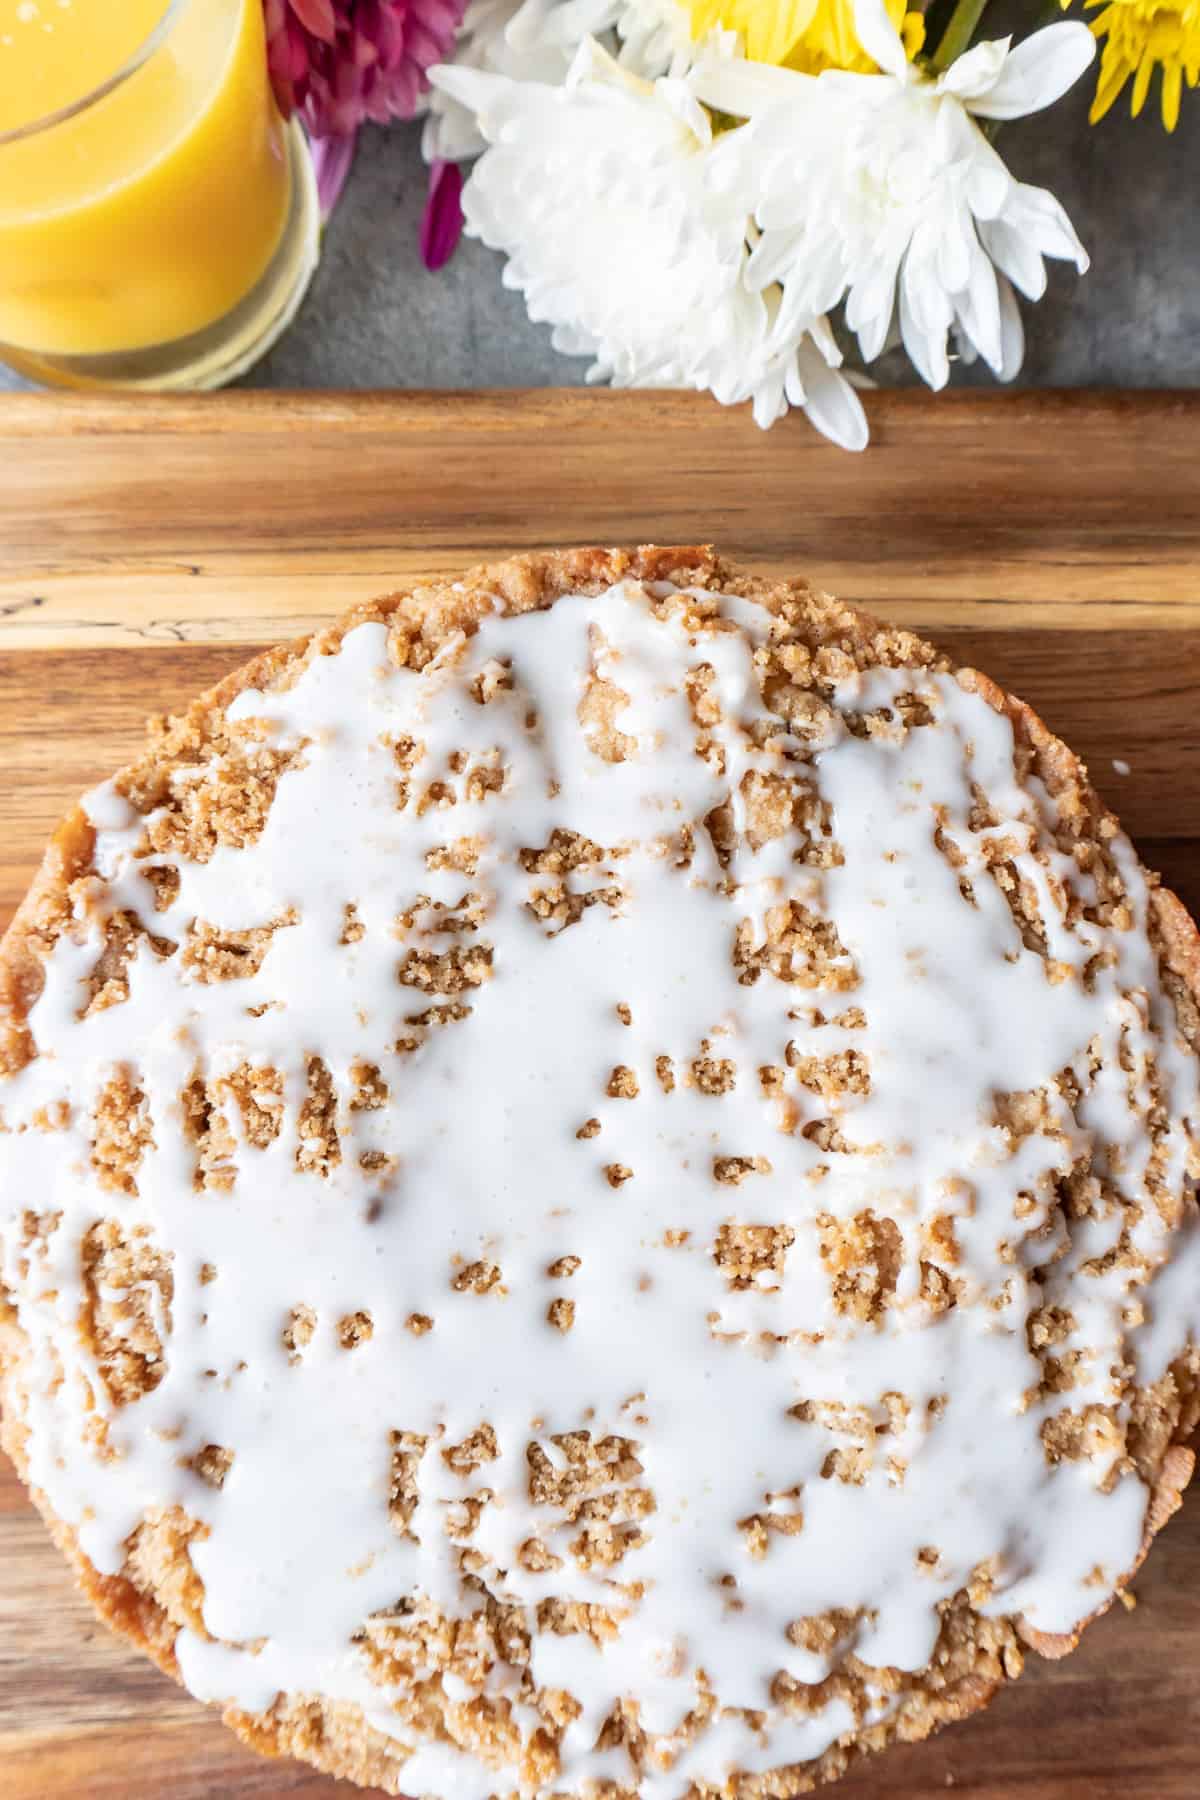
(733, 1170)
(212, 1464)
(454, 971)
(714, 1075)
(211, 954)
(561, 1314)
(370, 1090)
(407, 1447)
(354, 1329)
(124, 935)
(478, 1447)
(477, 1278)
(743, 1253)
(319, 1150)
(128, 1290)
(622, 1084)
(862, 1257)
(121, 1133)
(298, 1332)
(165, 880)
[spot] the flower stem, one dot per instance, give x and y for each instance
(959, 32)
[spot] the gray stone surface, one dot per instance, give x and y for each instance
(376, 318)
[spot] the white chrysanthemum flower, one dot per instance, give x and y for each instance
(627, 235)
(537, 40)
(882, 189)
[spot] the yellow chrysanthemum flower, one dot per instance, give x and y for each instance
(1140, 36)
(809, 35)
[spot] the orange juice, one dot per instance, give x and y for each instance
(148, 212)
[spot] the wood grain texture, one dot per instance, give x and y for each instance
(146, 548)
(1086, 507)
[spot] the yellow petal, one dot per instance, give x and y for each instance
(1108, 89)
(1171, 90)
(912, 33)
(810, 35)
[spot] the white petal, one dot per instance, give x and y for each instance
(592, 62)
(1013, 254)
(872, 332)
(784, 196)
(768, 402)
(871, 329)
(745, 89)
(829, 401)
(472, 88)
(976, 71)
(870, 305)
(954, 133)
(538, 22)
(926, 346)
(821, 333)
(655, 35)
(928, 302)
(953, 259)
(811, 285)
(989, 183)
(681, 100)
(1038, 216)
(855, 89)
(791, 321)
(1012, 333)
(880, 39)
(978, 309)
(775, 256)
(1039, 71)
(825, 288)
(827, 282)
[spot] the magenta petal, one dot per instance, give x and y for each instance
(332, 157)
(338, 62)
(442, 220)
(318, 17)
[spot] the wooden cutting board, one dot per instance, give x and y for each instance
(146, 547)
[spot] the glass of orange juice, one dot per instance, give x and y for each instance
(158, 219)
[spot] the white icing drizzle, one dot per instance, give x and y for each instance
(481, 1163)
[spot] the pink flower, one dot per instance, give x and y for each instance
(339, 63)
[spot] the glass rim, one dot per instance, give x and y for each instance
(153, 41)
